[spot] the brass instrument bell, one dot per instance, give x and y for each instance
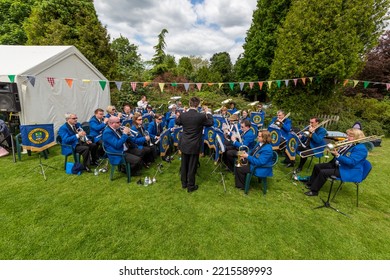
(240, 160)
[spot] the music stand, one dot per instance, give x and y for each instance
(326, 203)
(43, 167)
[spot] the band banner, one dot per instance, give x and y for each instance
(257, 118)
(127, 123)
(218, 121)
(276, 137)
(209, 137)
(176, 135)
(37, 137)
(292, 146)
(255, 129)
(164, 142)
(146, 119)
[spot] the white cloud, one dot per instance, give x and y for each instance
(202, 29)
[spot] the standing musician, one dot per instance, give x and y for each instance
(143, 141)
(312, 144)
(346, 164)
(232, 146)
(97, 124)
(142, 103)
(116, 141)
(191, 141)
(259, 156)
(72, 134)
(127, 114)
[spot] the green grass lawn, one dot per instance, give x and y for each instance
(89, 217)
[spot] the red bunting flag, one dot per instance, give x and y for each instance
(51, 81)
(133, 85)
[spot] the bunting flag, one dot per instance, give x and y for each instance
(210, 84)
(51, 81)
(103, 84)
(261, 85)
(11, 78)
(145, 84)
(174, 84)
(118, 85)
(295, 82)
(241, 85)
(161, 85)
(269, 84)
(31, 79)
(133, 85)
(69, 82)
(311, 79)
(86, 81)
(251, 85)
(345, 82)
(303, 81)
(219, 85)
(355, 82)
(186, 86)
(231, 85)
(278, 83)
(199, 86)
(286, 82)
(387, 86)
(366, 84)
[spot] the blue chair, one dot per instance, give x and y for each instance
(122, 162)
(249, 176)
(76, 156)
(366, 170)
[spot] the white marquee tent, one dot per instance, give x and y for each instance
(52, 81)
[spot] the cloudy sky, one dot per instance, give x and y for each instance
(195, 27)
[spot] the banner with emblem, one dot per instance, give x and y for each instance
(37, 137)
(176, 135)
(209, 137)
(257, 118)
(218, 121)
(146, 119)
(276, 137)
(292, 146)
(164, 142)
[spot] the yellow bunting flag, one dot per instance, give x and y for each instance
(355, 82)
(269, 84)
(161, 85)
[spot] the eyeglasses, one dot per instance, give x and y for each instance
(116, 122)
(73, 118)
(139, 119)
(160, 119)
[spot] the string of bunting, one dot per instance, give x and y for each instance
(119, 84)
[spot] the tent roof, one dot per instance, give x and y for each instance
(32, 60)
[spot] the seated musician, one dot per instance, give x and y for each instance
(170, 113)
(142, 140)
(116, 141)
(282, 123)
(245, 115)
(260, 157)
(171, 122)
(72, 134)
(314, 144)
(155, 129)
(111, 112)
(142, 103)
(224, 112)
(127, 114)
(232, 146)
(149, 110)
(232, 108)
(259, 108)
(346, 164)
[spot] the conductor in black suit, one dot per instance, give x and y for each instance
(191, 141)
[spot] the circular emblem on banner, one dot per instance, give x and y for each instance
(218, 123)
(254, 130)
(257, 119)
(38, 136)
(292, 144)
(210, 137)
(145, 121)
(165, 142)
(274, 137)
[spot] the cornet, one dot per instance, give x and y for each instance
(240, 160)
(83, 138)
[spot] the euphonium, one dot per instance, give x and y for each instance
(240, 160)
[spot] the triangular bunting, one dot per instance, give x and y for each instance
(286, 82)
(11, 78)
(145, 84)
(199, 86)
(118, 85)
(210, 84)
(311, 79)
(261, 85)
(231, 85)
(242, 86)
(355, 82)
(51, 81)
(278, 82)
(86, 81)
(295, 82)
(31, 79)
(251, 85)
(366, 84)
(161, 85)
(220, 84)
(174, 84)
(345, 82)
(303, 81)
(103, 84)
(269, 84)
(387, 86)
(69, 82)
(133, 85)
(186, 86)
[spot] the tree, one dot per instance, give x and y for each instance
(221, 63)
(72, 22)
(12, 15)
(158, 59)
(129, 60)
(185, 67)
(328, 40)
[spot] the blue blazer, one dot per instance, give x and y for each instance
(113, 144)
(96, 129)
(317, 140)
(351, 163)
(68, 136)
(152, 129)
(248, 139)
(285, 130)
(139, 139)
(261, 162)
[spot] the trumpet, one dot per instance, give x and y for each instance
(240, 160)
(339, 144)
(280, 123)
(83, 138)
(131, 132)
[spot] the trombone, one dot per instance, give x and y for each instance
(305, 132)
(339, 144)
(280, 123)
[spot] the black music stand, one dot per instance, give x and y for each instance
(43, 167)
(326, 203)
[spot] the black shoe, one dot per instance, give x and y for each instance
(298, 170)
(184, 186)
(291, 164)
(311, 193)
(147, 166)
(95, 163)
(194, 188)
(286, 161)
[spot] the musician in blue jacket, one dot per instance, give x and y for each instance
(282, 123)
(347, 163)
(97, 124)
(142, 140)
(259, 159)
(72, 134)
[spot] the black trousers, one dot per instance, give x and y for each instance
(189, 166)
(321, 172)
(240, 175)
(135, 161)
(87, 151)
